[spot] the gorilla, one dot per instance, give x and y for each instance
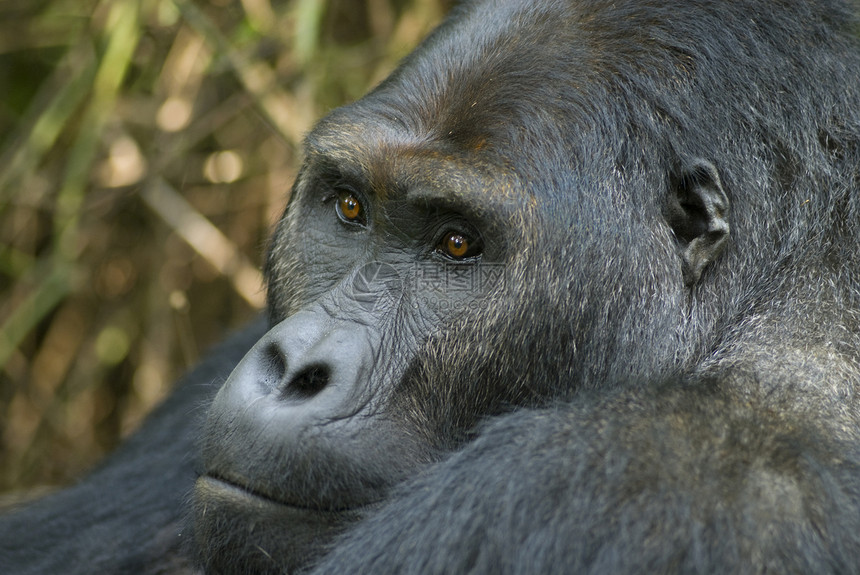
(576, 289)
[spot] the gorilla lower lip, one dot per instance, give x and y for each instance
(232, 490)
(260, 529)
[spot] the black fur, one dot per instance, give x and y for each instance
(665, 381)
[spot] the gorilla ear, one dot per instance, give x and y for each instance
(697, 212)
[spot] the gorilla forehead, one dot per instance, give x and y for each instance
(501, 70)
(562, 83)
(471, 97)
(485, 96)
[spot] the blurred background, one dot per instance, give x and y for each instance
(146, 149)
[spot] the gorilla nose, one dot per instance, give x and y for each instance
(301, 358)
(289, 403)
(306, 372)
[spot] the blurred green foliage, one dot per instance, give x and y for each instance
(146, 149)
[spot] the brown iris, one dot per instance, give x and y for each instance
(455, 245)
(349, 207)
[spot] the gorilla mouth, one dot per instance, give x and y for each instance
(234, 490)
(271, 535)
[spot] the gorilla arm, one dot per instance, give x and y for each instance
(690, 477)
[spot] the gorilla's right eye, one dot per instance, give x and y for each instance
(349, 208)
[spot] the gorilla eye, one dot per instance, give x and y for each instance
(349, 208)
(457, 246)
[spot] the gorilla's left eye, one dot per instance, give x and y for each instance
(458, 246)
(349, 208)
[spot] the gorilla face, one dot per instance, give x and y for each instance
(459, 243)
(389, 256)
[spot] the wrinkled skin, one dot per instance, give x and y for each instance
(574, 290)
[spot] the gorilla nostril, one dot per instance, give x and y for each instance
(307, 382)
(274, 366)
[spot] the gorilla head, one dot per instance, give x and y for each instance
(545, 198)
